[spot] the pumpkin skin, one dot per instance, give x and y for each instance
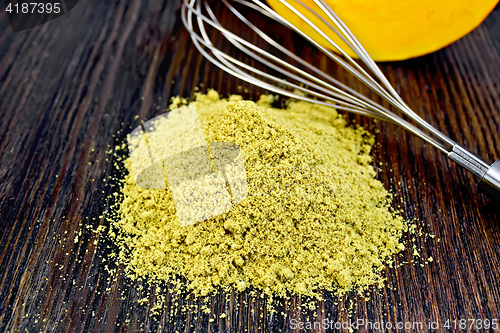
(395, 29)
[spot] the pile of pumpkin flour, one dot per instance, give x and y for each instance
(314, 218)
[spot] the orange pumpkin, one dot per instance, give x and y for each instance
(396, 29)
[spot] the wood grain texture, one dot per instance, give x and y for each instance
(71, 87)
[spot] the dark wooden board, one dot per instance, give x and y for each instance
(71, 87)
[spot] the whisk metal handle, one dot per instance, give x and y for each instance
(489, 174)
(490, 183)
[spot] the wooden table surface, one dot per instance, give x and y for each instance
(71, 87)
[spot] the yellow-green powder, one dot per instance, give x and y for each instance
(315, 216)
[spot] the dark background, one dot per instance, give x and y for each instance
(71, 87)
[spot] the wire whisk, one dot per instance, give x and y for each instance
(289, 75)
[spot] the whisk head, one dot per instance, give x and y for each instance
(288, 74)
